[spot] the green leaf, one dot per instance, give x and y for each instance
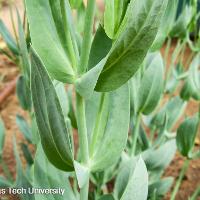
(133, 43)
(160, 188)
(46, 176)
(62, 96)
(24, 128)
(71, 113)
(85, 84)
(111, 129)
(137, 187)
(159, 159)
(34, 130)
(191, 87)
(123, 176)
(49, 116)
(23, 50)
(151, 86)
(75, 3)
(134, 91)
(179, 28)
(27, 154)
(100, 47)
(91, 112)
(45, 18)
(186, 135)
(114, 14)
(21, 180)
(2, 137)
(6, 35)
(165, 25)
(24, 93)
(173, 109)
(109, 18)
(107, 197)
(82, 174)
(4, 183)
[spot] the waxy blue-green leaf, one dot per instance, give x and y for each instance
(53, 131)
(179, 28)
(27, 154)
(91, 111)
(24, 93)
(6, 35)
(151, 85)
(132, 44)
(159, 159)
(137, 187)
(173, 109)
(82, 174)
(4, 183)
(85, 84)
(191, 87)
(165, 25)
(24, 128)
(125, 170)
(2, 137)
(48, 177)
(63, 98)
(114, 14)
(75, 3)
(100, 47)
(49, 38)
(71, 113)
(134, 91)
(112, 130)
(160, 188)
(186, 135)
(23, 51)
(21, 179)
(107, 197)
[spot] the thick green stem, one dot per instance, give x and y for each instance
(83, 140)
(84, 191)
(82, 129)
(87, 37)
(135, 133)
(180, 178)
(96, 132)
(6, 170)
(173, 59)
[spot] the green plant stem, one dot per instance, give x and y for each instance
(180, 178)
(135, 134)
(87, 37)
(84, 191)
(13, 23)
(83, 140)
(71, 50)
(195, 194)
(173, 60)
(188, 61)
(81, 121)
(152, 133)
(6, 170)
(96, 132)
(166, 55)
